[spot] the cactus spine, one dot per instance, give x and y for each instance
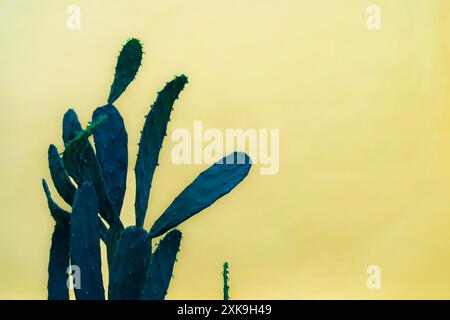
(100, 183)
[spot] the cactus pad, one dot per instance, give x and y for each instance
(61, 216)
(152, 136)
(60, 178)
(210, 185)
(85, 244)
(161, 267)
(111, 141)
(82, 165)
(128, 63)
(130, 264)
(58, 264)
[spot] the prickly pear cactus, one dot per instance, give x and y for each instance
(93, 182)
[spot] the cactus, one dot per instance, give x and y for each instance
(61, 216)
(127, 66)
(82, 165)
(60, 178)
(210, 185)
(111, 145)
(226, 287)
(85, 244)
(98, 193)
(161, 267)
(130, 264)
(58, 264)
(152, 136)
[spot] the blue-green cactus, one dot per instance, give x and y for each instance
(127, 66)
(226, 287)
(161, 267)
(210, 185)
(100, 176)
(129, 269)
(61, 216)
(111, 146)
(85, 244)
(58, 264)
(61, 179)
(81, 163)
(152, 136)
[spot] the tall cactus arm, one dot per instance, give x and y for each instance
(210, 185)
(60, 178)
(152, 136)
(85, 244)
(111, 146)
(58, 264)
(161, 267)
(127, 66)
(130, 264)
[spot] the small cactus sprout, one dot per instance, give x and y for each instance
(78, 142)
(226, 287)
(93, 182)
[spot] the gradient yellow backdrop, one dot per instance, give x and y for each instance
(364, 119)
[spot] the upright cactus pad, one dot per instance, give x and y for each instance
(111, 145)
(70, 128)
(210, 185)
(85, 244)
(58, 264)
(152, 136)
(127, 66)
(130, 264)
(60, 178)
(161, 267)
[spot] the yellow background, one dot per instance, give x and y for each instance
(364, 137)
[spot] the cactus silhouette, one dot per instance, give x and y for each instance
(226, 287)
(96, 196)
